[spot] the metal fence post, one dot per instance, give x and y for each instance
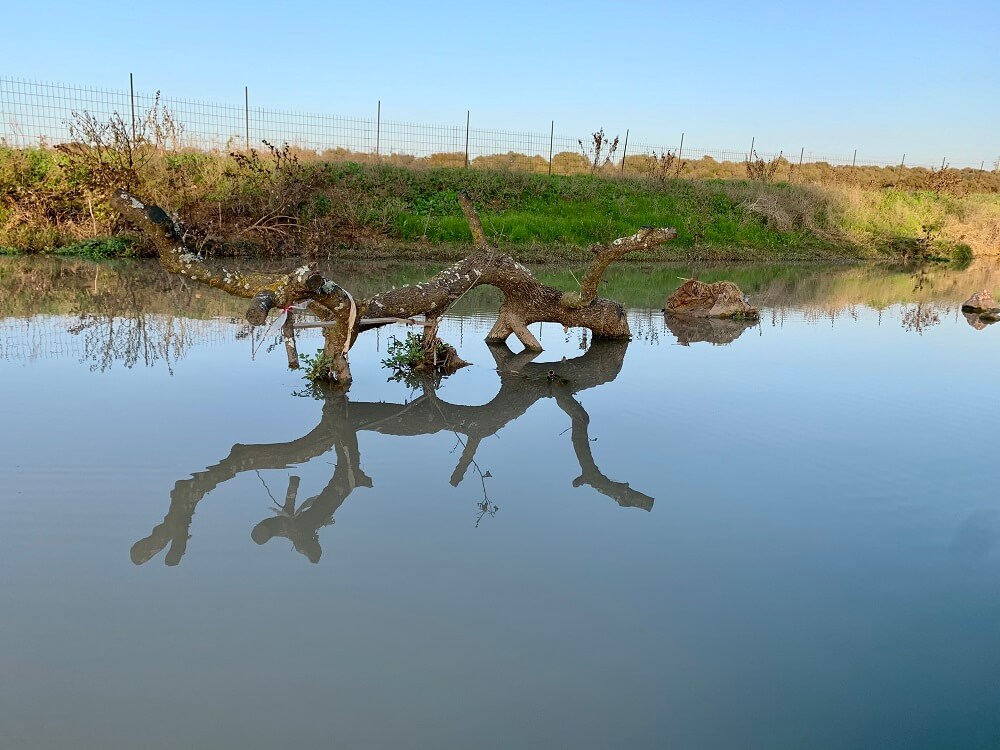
(467, 138)
(791, 167)
(246, 112)
(854, 159)
(681, 149)
(942, 161)
(902, 161)
(378, 127)
(750, 155)
(625, 151)
(552, 130)
(131, 92)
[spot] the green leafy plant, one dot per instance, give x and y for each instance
(413, 356)
(316, 368)
(404, 355)
(961, 255)
(98, 248)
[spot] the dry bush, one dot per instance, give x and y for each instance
(276, 201)
(569, 162)
(815, 210)
(759, 170)
(600, 152)
(665, 166)
(944, 180)
(104, 155)
(446, 159)
(512, 162)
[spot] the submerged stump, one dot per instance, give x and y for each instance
(720, 299)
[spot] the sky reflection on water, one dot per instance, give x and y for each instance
(805, 554)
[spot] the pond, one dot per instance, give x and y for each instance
(780, 535)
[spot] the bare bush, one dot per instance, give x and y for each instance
(666, 166)
(759, 170)
(105, 154)
(600, 152)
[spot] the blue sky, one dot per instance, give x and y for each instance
(886, 78)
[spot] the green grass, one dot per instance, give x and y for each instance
(98, 248)
(372, 210)
(718, 219)
(526, 210)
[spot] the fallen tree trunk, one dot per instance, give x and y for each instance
(526, 300)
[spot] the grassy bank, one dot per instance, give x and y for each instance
(277, 204)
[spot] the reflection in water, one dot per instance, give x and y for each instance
(132, 312)
(522, 384)
(920, 317)
(718, 331)
(977, 321)
(120, 330)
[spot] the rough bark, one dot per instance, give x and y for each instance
(526, 300)
(721, 299)
(522, 384)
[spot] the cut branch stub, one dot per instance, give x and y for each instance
(261, 304)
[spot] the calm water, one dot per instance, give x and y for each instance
(774, 536)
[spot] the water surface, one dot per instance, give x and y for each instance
(718, 535)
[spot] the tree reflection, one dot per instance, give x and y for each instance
(522, 383)
(920, 317)
(118, 329)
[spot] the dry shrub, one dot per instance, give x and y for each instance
(760, 170)
(662, 167)
(104, 155)
(600, 152)
(568, 162)
(512, 162)
(783, 208)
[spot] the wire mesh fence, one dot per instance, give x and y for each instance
(34, 113)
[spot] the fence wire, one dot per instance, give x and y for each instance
(35, 113)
